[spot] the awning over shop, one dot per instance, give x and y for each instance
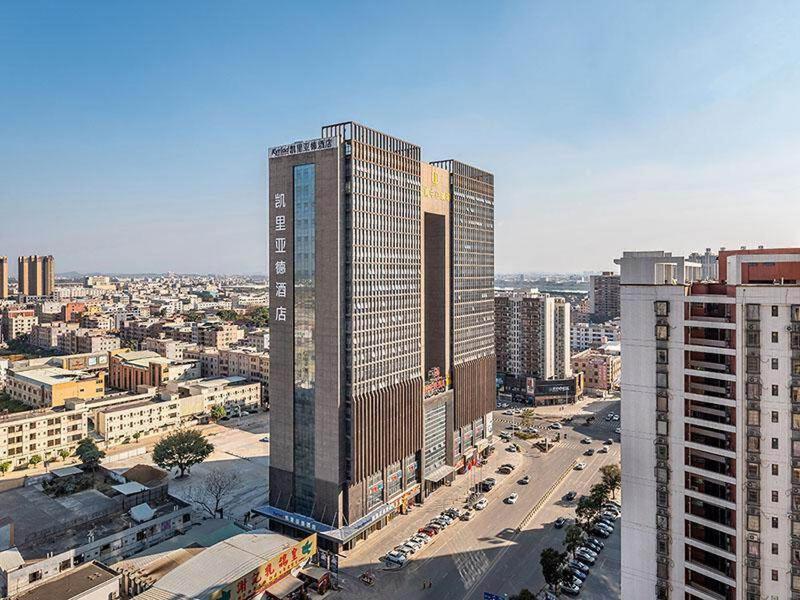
(284, 587)
(439, 473)
(482, 444)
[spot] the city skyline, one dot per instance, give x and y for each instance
(613, 118)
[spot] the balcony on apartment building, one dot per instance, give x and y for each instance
(711, 363)
(710, 413)
(709, 387)
(708, 586)
(710, 438)
(709, 487)
(711, 338)
(714, 313)
(710, 561)
(710, 512)
(713, 463)
(711, 537)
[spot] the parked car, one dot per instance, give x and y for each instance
(609, 416)
(570, 496)
(588, 551)
(481, 504)
(586, 440)
(585, 557)
(592, 546)
(489, 483)
(618, 430)
(582, 575)
(589, 452)
(452, 512)
(525, 480)
(504, 470)
(597, 542)
(560, 522)
(512, 499)
(580, 466)
(406, 549)
(578, 566)
(555, 425)
(609, 442)
(603, 450)
(511, 448)
(420, 538)
(429, 531)
(466, 515)
(601, 531)
(570, 589)
(396, 557)
(616, 417)
(509, 465)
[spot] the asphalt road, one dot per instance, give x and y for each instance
(488, 553)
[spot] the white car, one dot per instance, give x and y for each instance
(618, 430)
(580, 466)
(481, 504)
(555, 425)
(512, 499)
(616, 417)
(396, 557)
(511, 449)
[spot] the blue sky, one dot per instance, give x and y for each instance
(133, 135)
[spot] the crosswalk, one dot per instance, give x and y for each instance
(471, 566)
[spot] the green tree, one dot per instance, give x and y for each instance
(137, 435)
(5, 467)
(228, 315)
(612, 478)
(181, 450)
(217, 412)
(574, 538)
(34, 460)
(599, 494)
(552, 562)
(524, 594)
(64, 453)
(193, 316)
(587, 509)
(89, 453)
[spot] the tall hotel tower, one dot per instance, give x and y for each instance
(711, 426)
(382, 374)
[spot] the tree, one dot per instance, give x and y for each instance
(552, 562)
(89, 453)
(217, 412)
(181, 450)
(524, 594)
(5, 467)
(215, 490)
(64, 453)
(137, 435)
(34, 460)
(599, 494)
(227, 314)
(612, 478)
(586, 511)
(574, 538)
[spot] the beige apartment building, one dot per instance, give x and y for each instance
(17, 322)
(49, 386)
(46, 335)
(85, 341)
(42, 432)
(217, 335)
(124, 421)
(601, 372)
(200, 396)
(168, 348)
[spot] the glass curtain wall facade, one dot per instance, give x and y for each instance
(304, 315)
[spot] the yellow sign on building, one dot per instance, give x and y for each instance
(434, 183)
(276, 568)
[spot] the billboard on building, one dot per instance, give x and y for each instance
(276, 568)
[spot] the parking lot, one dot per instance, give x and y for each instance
(237, 448)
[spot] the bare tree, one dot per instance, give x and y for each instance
(214, 490)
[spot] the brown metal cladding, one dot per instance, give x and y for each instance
(474, 387)
(387, 425)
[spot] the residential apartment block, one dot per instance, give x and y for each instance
(601, 371)
(36, 275)
(532, 336)
(18, 321)
(3, 277)
(125, 421)
(604, 296)
(711, 430)
(593, 335)
(87, 341)
(381, 328)
(42, 432)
